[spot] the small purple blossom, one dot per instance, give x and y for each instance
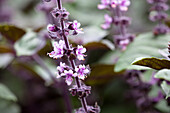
(75, 25)
(124, 44)
(123, 4)
(82, 71)
(158, 14)
(62, 67)
(58, 50)
(60, 13)
(108, 21)
(54, 31)
(52, 28)
(68, 76)
(104, 4)
(80, 52)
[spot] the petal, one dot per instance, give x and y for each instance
(79, 31)
(69, 80)
(70, 72)
(105, 26)
(108, 19)
(80, 76)
(123, 8)
(80, 57)
(75, 75)
(86, 71)
(102, 6)
(76, 69)
(78, 25)
(127, 3)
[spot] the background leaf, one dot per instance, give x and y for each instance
(8, 107)
(5, 93)
(166, 88)
(144, 45)
(29, 44)
(43, 73)
(104, 44)
(11, 32)
(91, 34)
(5, 49)
(5, 59)
(163, 74)
(103, 76)
(154, 63)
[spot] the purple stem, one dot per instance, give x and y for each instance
(121, 27)
(64, 88)
(83, 99)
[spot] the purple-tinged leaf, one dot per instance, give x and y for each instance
(11, 32)
(154, 63)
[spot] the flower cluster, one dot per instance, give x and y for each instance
(68, 73)
(118, 7)
(108, 4)
(139, 92)
(61, 48)
(158, 14)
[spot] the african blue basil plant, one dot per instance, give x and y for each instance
(158, 14)
(70, 71)
(117, 9)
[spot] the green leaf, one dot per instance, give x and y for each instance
(5, 93)
(166, 88)
(29, 44)
(163, 74)
(43, 73)
(5, 59)
(91, 34)
(103, 76)
(162, 106)
(9, 107)
(153, 63)
(110, 57)
(144, 45)
(11, 32)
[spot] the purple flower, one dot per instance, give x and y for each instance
(104, 4)
(155, 16)
(60, 13)
(69, 76)
(108, 21)
(81, 71)
(52, 28)
(58, 49)
(124, 44)
(80, 52)
(76, 27)
(123, 4)
(54, 31)
(161, 29)
(61, 67)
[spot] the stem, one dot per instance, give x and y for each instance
(83, 99)
(38, 59)
(121, 27)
